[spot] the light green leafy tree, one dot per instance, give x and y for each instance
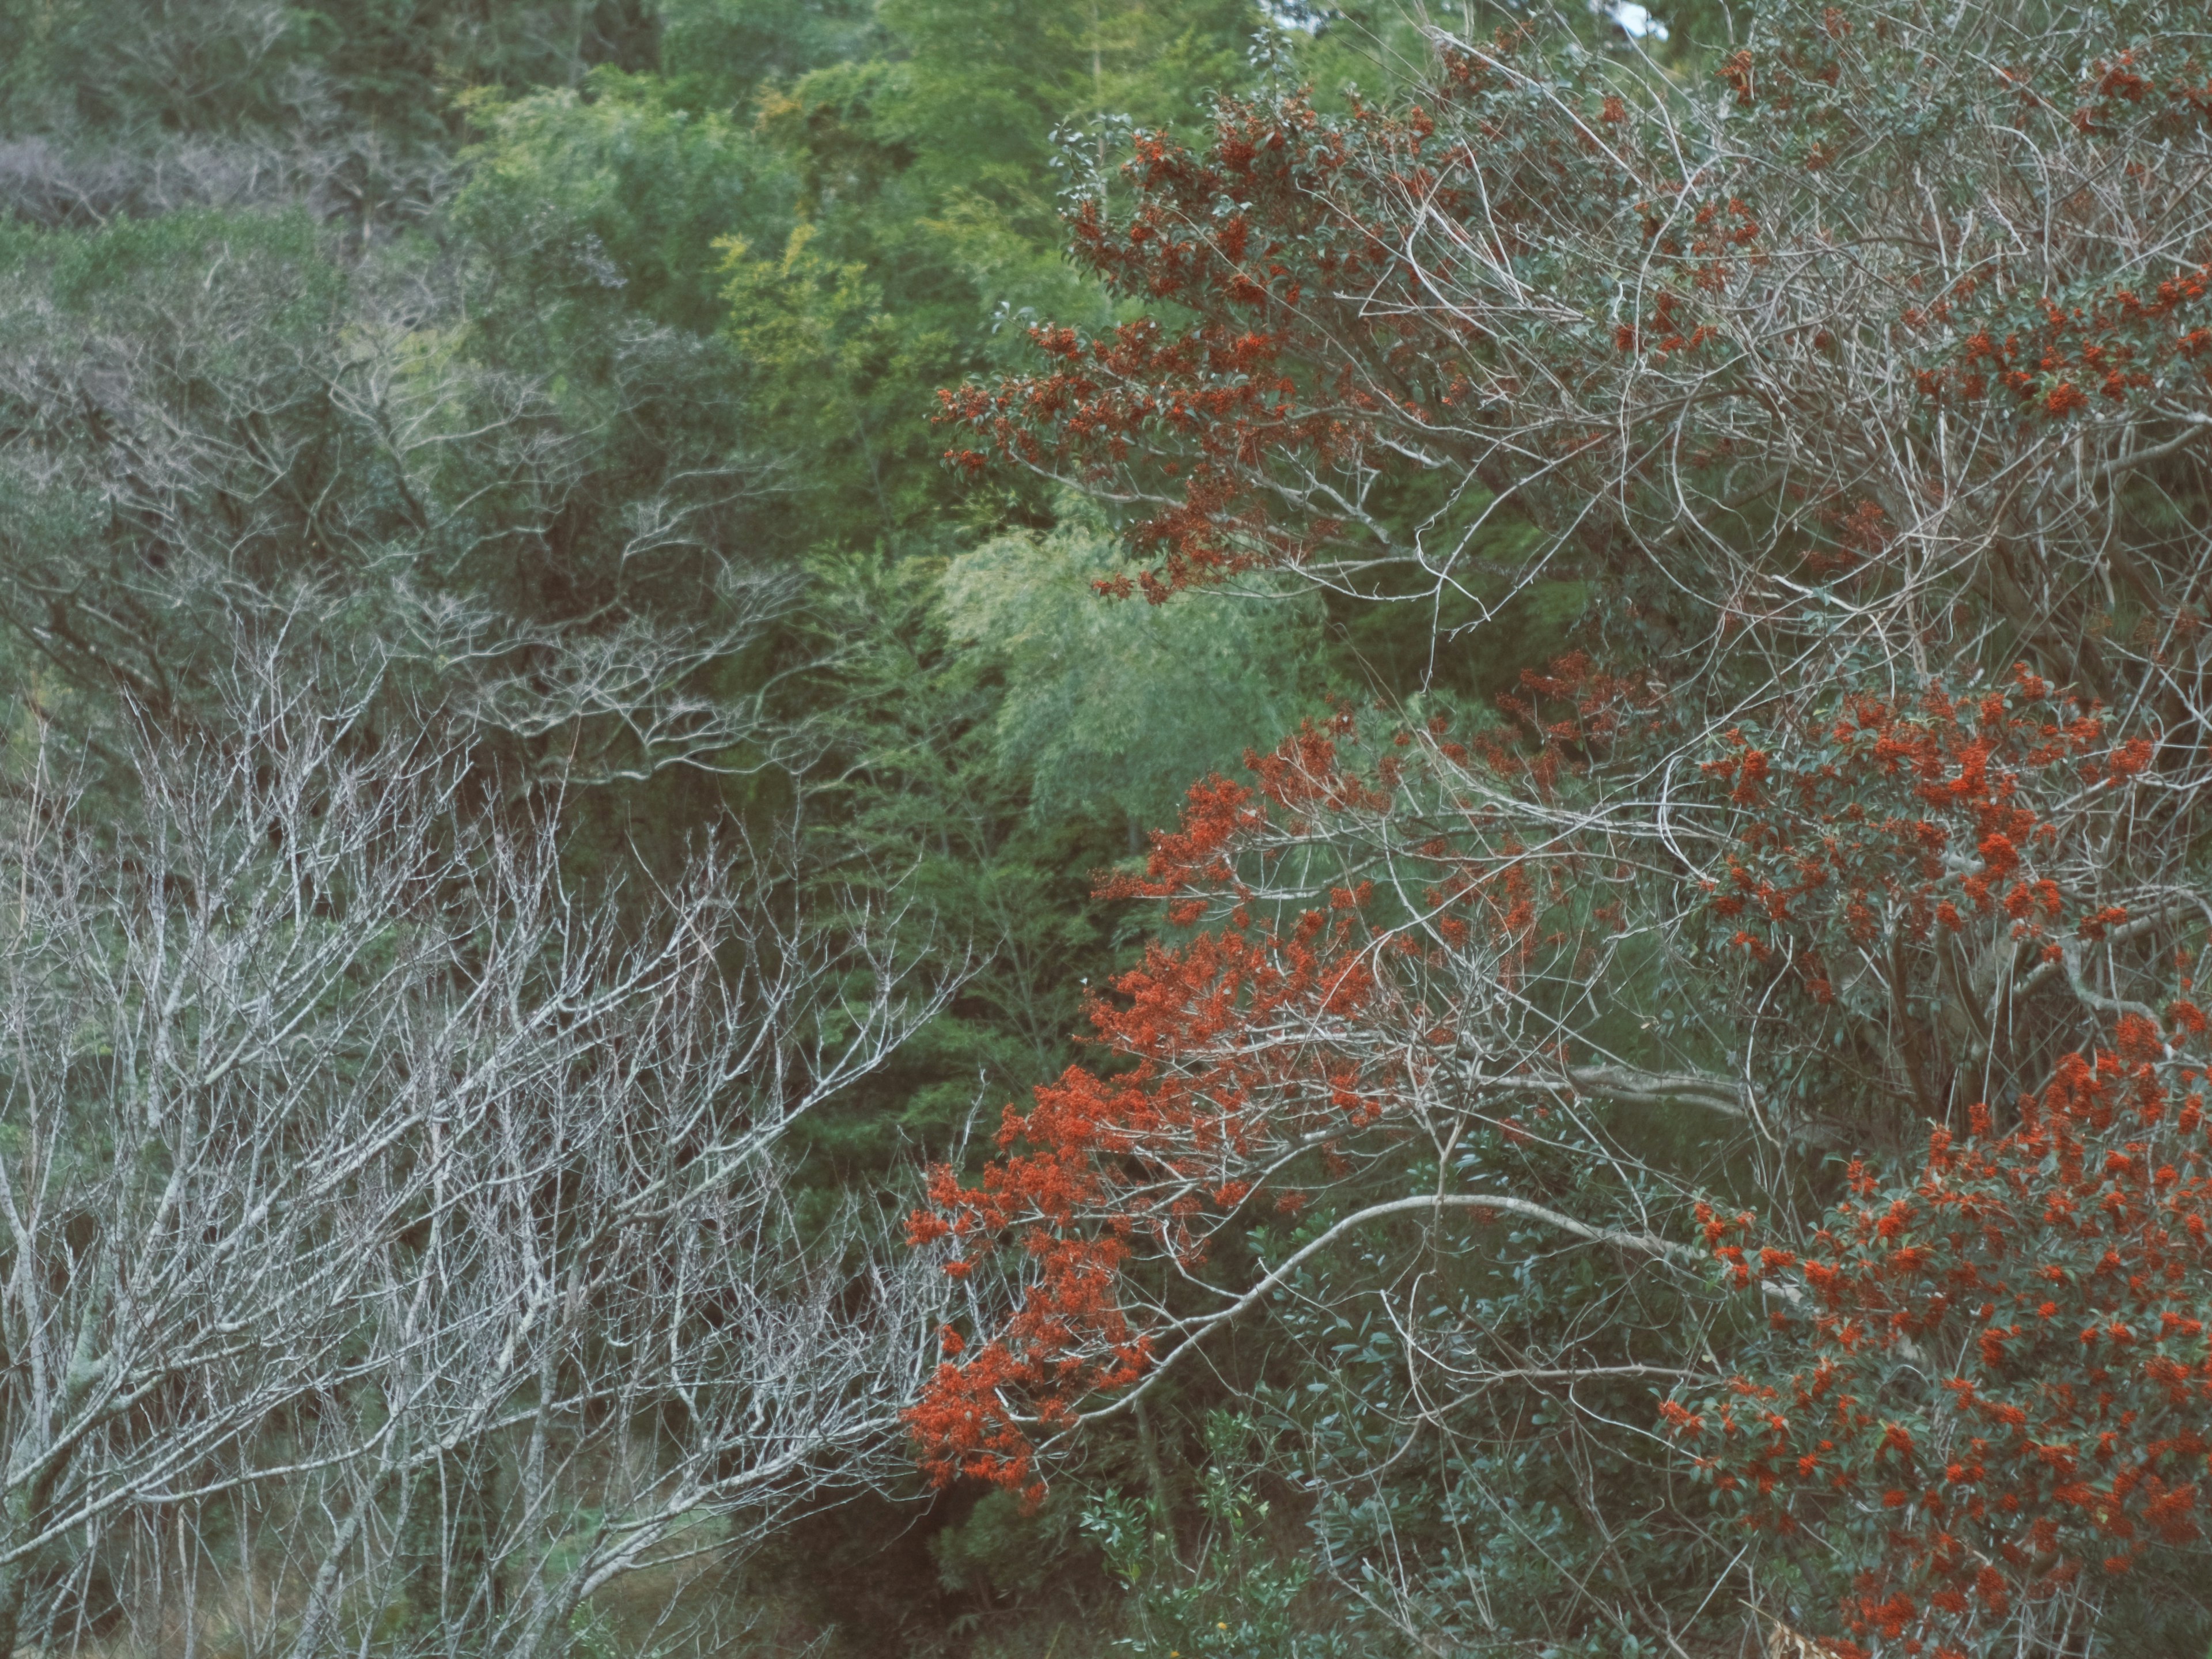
(1112, 708)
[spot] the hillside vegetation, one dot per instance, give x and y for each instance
(958, 828)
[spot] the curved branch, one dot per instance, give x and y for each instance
(1626, 1085)
(1649, 1244)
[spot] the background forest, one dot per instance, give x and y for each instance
(572, 746)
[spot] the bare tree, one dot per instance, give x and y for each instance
(254, 434)
(397, 1245)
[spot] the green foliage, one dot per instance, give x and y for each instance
(1467, 1513)
(619, 188)
(1113, 707)
(131, 276)
(215, 66)
(1003, 1549)
(996, 733)
(984, 85)
(719, 52)
(910, 803)
(928, 195)
(839, 377)
(1234, 1593)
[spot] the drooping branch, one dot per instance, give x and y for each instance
(1189, 1334)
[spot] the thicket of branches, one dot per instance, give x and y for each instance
(1865, 393)
(386, 1213)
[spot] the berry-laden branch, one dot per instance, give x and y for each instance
(1994, 1396)
(1403, 976)
(1792, 353)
